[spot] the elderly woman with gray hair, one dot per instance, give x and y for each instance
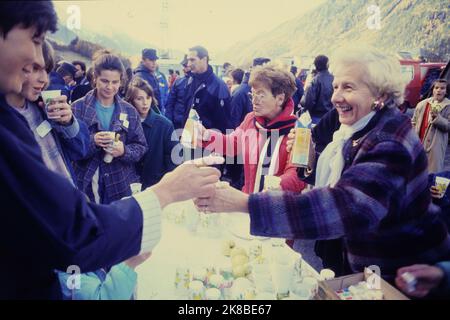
(371, 181)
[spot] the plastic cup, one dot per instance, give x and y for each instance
(312, 284)
(48, 96)
(196, 290)
(108, 156)
(442, 185)
(135, 188)
(282, 277)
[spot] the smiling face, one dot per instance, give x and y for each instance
(35, 84)
(107, 84)
(439, 91)
(265, 104)
(142, 102)
(18, 51)
(352, 97)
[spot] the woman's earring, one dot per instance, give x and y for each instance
(377, 105)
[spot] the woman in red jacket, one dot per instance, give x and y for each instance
(261, 138)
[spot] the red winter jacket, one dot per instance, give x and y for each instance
(247, 141)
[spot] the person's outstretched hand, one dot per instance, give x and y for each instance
(191, 179)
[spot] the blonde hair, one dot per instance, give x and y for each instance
(382, 71)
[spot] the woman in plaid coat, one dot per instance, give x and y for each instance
(103, 110)
(371, 181)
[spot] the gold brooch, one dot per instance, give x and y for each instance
(355, 142)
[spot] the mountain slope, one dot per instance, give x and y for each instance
(405, 25)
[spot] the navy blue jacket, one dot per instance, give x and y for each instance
(142, 72)
(176, 105)
(57, 83)
(241, 104)
(163, 89)
(157, 161)
(298, 94)
(47, 224)
(209, 96)
(317, 98)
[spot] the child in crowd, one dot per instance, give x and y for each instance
(162, 154)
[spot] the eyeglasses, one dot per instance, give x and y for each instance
(259, 96)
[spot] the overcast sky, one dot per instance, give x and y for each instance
(216, 24)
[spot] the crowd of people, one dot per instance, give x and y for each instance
(68, 163)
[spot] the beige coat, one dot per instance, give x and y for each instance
(436, 135)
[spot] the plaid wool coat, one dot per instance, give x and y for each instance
(115, 177)
(381, 206)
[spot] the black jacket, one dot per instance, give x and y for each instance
(157, 161)
(176, 105)
(142, 72)
(209, 96)
(317, 98)
(240, 104)
(298, 94)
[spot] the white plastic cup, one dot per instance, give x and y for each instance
(135, 187)
(196, 290)
(312, 284)
(327, 274)
(108, 156)
(48, 96)
(213, 294)
(282, 277)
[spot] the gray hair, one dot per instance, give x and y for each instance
(382, 71)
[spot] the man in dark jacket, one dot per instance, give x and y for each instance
(80, 75)
(176, 105)
(147, 71)
(63, 79)
(317, 98)
(207, 93)
(300, 91)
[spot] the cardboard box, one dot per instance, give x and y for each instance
(327, 289)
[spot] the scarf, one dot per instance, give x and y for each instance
(331, 160)
(268, 157)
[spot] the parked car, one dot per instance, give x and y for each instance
(421, 76)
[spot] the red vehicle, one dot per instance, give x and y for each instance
(421, 76)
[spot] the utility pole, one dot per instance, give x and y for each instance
(164, 26)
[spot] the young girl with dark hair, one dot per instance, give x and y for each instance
(159, 133)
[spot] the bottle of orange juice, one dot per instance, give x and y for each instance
(189, 135)
(302, 150)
